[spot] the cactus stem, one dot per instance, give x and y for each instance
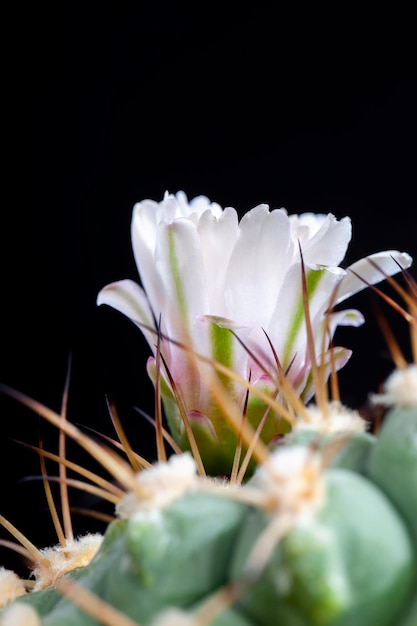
(265, 544)
(218, 602)
(91, 604)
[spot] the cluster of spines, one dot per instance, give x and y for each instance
(326, 428)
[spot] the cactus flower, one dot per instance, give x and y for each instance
(207, 277)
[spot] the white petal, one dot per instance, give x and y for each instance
(258, 265)
(201, 204)
(218, 236)
(144, 233)
(287, 326)
(179, 263)
(347, 317)
(128, 298)
(372, 269)
(337, 357)
(323, 238)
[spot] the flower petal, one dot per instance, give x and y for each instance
(334, 357)
(371, 270)
(323, 238)
(218, 237)
(144, 233)
(129, 298)
(179, 263)
(258, 265)
(347, 317)
(287, 326)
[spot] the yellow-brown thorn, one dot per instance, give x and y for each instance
(98, 515)
(79, 469)
(65, 508)
(32, 551)
(218, 602)
(160, 443)
(320, 389)
(124, 442)
(378, 414)
(398, 308)
(226, 371)
(111, 462)
(291, 396)
(232, 413)
(49, 498)
(16, 547)
(102, 494)
(143, 463)
(238, 450)
(413, 311)
(334, 381)
(191, 438)
(409, 298)
(390, 340)
(251, 448)
(167, 436)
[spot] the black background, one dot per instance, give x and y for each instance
(106, 104)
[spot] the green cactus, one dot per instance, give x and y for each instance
(317, 527)
(350, 563)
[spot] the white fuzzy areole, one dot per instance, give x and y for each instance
(20, 614)
(11, 586)
(76, 553)
(337, 419)
(159, 485)
(400, 388)
(293, 479)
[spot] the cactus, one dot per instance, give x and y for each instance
(310, 521)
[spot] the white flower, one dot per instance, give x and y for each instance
(204, 272)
